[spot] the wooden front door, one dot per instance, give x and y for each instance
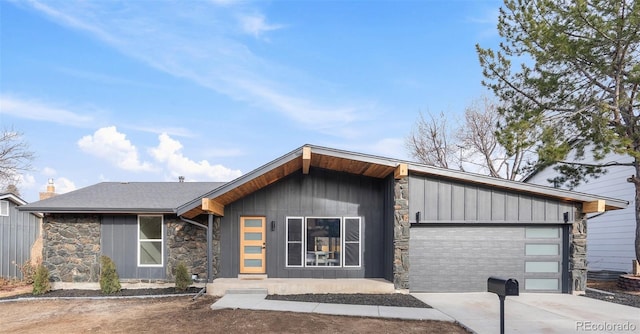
(252, 245)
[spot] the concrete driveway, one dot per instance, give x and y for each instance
(535, 313)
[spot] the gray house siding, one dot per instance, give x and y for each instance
(467, 233)
(119, 241)
(18, 232)
(444, 201)
(388, 227)
(321, 193)
(183, 242)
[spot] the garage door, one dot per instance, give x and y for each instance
(460, 259)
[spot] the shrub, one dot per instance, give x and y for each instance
(28, 271)
(41, 282)
(183, 280)
(109, 279)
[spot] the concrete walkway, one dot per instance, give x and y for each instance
(255, 300)
(535, 313)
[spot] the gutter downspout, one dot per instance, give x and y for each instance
(209, 229)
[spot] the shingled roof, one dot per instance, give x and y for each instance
(124, 197)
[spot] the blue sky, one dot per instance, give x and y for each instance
(150, 90)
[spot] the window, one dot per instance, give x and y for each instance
(323, 242)
(294, 242)
(4, 208)
(150, 250)
(352, 249)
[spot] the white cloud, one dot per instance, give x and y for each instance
(109, 144)
(256, 25)
(38, 111)
(169, 153)
(63, 185)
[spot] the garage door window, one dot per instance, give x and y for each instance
(542, 284)
(543, 258)
(542, 232)
(542, 249)
(541, 267)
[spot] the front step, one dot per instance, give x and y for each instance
(252, 276)
(293, 286)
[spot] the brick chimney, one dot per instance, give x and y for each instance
(51, 191)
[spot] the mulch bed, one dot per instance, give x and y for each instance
(97, 293)
(614, 293)
(396, 299)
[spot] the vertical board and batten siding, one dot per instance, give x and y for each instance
(119, 241)
(321, 193)
(610, 237)
(469, 232)
(444, 201)
(18, 232)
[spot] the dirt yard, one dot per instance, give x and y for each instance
(182, 315)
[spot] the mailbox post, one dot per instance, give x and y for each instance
(503, 288)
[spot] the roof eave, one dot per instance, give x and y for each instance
(97, 210)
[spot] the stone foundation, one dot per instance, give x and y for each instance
(401, 234)
(71, 247)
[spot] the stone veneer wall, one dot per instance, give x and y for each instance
(216, 248)
(188, 243)
(185, 243)
(578, 254)
(71, 247)
(401, 232)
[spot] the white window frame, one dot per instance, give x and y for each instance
(152, 240)
(4, 208)
(343, 242)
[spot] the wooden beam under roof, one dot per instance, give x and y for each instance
(306, 159)
(592, 207)
(402, 171)
(211, 206)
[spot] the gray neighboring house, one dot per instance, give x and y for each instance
(323, 213)
(18, 233)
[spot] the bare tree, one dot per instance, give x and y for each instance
(15, 156)
(485, 149)
(473, 145)
(430, 141)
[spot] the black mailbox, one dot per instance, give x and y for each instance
(503, 287)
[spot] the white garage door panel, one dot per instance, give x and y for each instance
(460, 259)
